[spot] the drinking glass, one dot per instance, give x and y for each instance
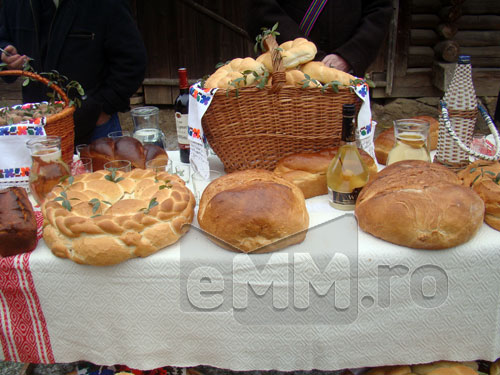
(83, 148)
(183, 170)
(118, 165)
(118, 134)
(411, 138)
(200, 182)
(47, 166)
(159, 165)
(81, 166)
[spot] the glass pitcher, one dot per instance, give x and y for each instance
(147, 125)
(411, 141)
(47, 166)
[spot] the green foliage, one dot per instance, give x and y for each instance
(259, 39)
(112, 177)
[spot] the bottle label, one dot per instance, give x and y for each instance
(181, 124)
(344, 201)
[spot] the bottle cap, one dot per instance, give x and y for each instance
(348, 109)
(464, 59)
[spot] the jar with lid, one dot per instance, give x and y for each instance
(47, 166)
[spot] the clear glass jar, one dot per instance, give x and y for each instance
(47, 166)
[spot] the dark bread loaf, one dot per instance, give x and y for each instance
(17, 222)
(105, 149)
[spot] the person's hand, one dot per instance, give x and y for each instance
(15, 60)
(103, 118)
(337, 62)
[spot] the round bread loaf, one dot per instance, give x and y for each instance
(253, 211)
(308, 170)
(484, 178)
(102, 218)
(106, 149)
(227, 74)
(420, 205)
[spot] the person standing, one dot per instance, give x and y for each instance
(93, 42)
(347, 34)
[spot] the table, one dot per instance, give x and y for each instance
(341, 299)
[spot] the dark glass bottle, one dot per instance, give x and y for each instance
(181, 115)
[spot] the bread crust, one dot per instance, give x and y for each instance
(308, 170)
(481, 177)
(104, 149)
(420, 205)
(253, 211)
(17, 222)
(122, 226)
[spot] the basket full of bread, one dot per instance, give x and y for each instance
(281, 103)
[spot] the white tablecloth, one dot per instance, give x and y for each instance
(341, 299)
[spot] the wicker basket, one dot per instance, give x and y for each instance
(60, 124)
(258, 127)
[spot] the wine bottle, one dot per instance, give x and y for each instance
(347, 173)
(181, 115)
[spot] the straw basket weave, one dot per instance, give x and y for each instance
(60, 124)
(255, 128)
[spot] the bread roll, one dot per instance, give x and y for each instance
(106, 149)
(324, 74)
(420, 205)
(426, 368)
(112, 221)
(385, 140)
(484, 178)
(17, 222)
(293, 53)
(390, 370)
(308, 170)
(253, 211)
(227, 74)
(296, 78)
(454, 370)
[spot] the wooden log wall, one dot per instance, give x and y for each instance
(442, 32)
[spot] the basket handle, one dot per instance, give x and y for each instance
(39, 78)
(458, 141)
(279, 75)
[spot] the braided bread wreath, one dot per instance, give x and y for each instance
(103, 219)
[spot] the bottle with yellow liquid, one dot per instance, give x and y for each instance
(347, 173)
(411, 141)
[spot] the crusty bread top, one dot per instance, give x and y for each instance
(252, 208)
(136, 214)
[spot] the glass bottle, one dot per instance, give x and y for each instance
(47, 166)
(181, 115)
(347, 173)
(461, 101)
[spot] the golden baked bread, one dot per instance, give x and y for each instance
(495, 367)
(390, 370)
(227, 74)
(426, 368)
(385, 140)
(324, 74)
(484, 178)
(308, 170)
(295, 77)
(453, 370)
(293, 53)
(106, 149)
(253, 211)
(102, 218)
(17, 222)
(420, 205)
